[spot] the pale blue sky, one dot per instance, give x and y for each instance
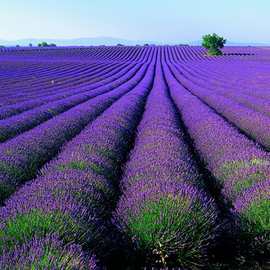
(171, 20)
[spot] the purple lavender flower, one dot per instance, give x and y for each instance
(74, 195)
(161, 210)
(47, 253)
(24, 155)
(237, 163)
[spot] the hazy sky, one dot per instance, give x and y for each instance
(171, 20)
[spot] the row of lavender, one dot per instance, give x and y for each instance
(75, 195)
(41, 73)
(19, 75)
(165, 213)
(17, 124)
(58, 78)
(101, 54)
(85, 54)
(105, 192)
(37, 87)
(240, 166)
(73, 198)
(29, 103)
(23, 155)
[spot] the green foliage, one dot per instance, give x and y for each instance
(10, 171)
(171, 227)
(5, 191)
(50, 256)
(243, 184)
(53, 258)
(35, 223)
(228, 169)
(74, 165)
(259, 216)
(45, 44)
(83, 166)
(213, 43)
(216, 52)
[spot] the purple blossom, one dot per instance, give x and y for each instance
(160, 170)
(75, 192)
(47, 253)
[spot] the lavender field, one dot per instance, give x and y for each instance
(130, 157)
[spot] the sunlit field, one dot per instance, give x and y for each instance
(121, 157)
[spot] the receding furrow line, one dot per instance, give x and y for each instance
(240, 131)
(65, 79)
(166, 217)
(36, 80)
(240, 167)
(256, 125)
(73, 197)
(236, 95)
(13, 126)
(87, 84)
(22, 156)
(10, 110)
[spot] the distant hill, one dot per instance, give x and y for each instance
(77, 42)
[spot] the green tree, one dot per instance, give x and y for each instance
(45, 44)
(213, 43)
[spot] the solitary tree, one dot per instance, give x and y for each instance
(213, 43)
